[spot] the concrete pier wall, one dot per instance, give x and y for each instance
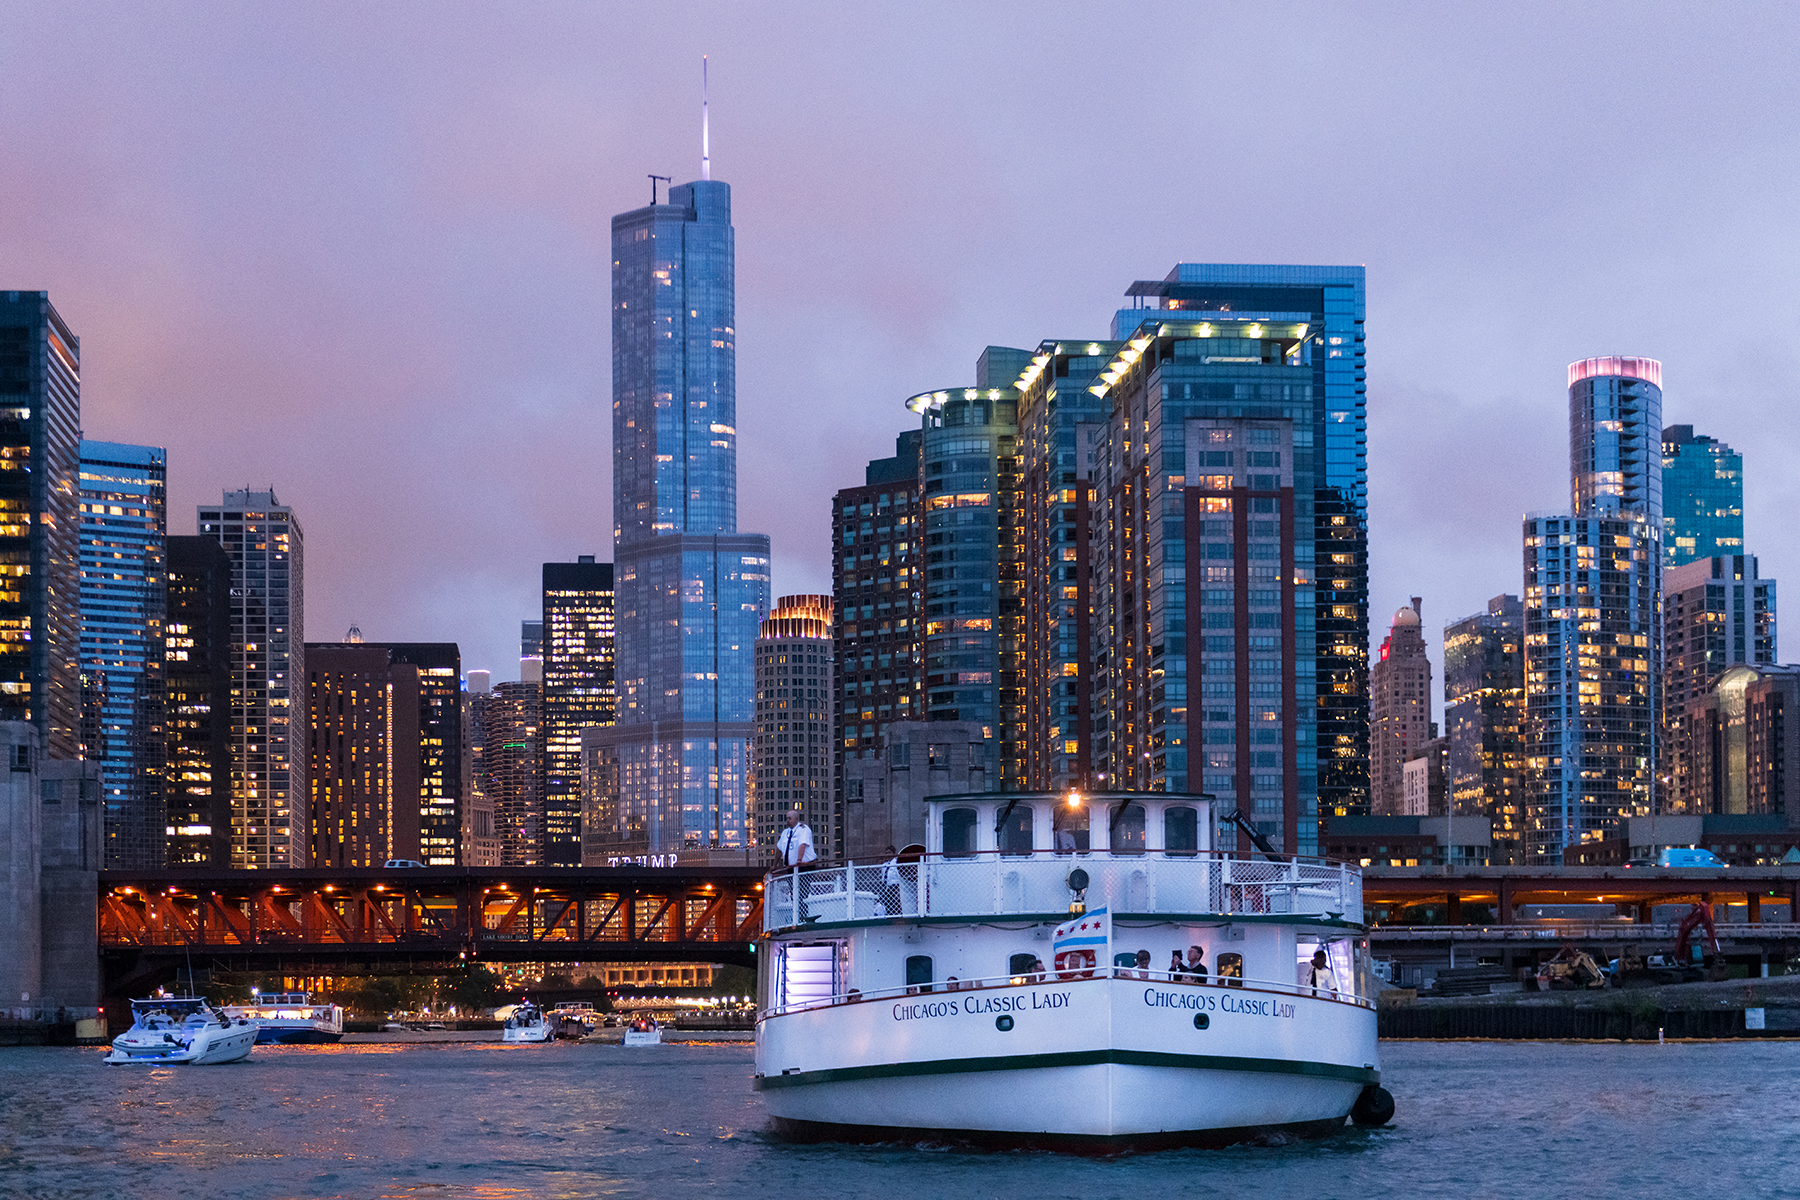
(21, 872)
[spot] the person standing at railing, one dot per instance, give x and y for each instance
(1195, 967)
(796, 848)
(890, 883)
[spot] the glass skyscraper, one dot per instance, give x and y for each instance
(197, 665)
(124, 598)
(691, 590)
(1593, 616)
(1484, 711)
(40, 560)
(1703, 497)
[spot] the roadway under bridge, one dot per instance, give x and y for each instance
(153, 926)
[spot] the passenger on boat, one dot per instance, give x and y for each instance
(1195, 968)
(1143, 964)
(890, 883)
(1324, 979)
(1176, 970)
(1038, 970)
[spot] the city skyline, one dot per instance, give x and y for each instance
(402, 370)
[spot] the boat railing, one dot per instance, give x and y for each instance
(951, 990)
(992, 883)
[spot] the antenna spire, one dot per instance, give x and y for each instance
(705, 127)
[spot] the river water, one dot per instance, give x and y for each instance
(480, 1120)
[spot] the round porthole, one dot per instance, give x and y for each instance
(1003, 1023)
(1201, 1020)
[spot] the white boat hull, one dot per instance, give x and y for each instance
(1085, 1062)
(643, 1037)
(526, 1034)
(207, 1047)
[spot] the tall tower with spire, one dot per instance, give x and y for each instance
(671, 774)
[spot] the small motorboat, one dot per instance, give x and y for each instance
(182, 1029)
(528, 1023)
(643, 1032)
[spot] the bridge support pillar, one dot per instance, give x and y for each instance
(1756, 912)
(1506, 902)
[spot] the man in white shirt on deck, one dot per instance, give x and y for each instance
(796, 842)
(796, 847)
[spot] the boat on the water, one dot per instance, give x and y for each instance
(1067, 972)
(644, 1031)
(528, 1023)
(168, 1030)
(290, 1018)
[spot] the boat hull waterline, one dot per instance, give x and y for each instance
(1101, 1063)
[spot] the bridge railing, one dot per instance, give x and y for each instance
(1600, 931)
(995, 884)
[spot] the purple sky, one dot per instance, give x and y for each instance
(359, 252)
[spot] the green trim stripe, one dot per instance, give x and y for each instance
(1075, 1058)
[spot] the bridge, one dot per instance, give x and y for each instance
(438, 919)
(1430, 917)
(152, 925)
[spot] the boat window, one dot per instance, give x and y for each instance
(918, 972)
(1181, 830)
(959, 831)
(1021, 964)
(1230, 968)
(1339, 965)
(1015, 831)
(1071, 828)
(1128, 829)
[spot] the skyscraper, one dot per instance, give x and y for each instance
(439, 722)
(1703, 497)
(578, 646)
(197, 662)
(1058, 428)
(691, 589)
(268, 704)
(40, 449)
(509, 769)
(124, 595)
(1400, 713)
(1593, 618)
(1717, 613)
(973, 608)
(1229, 540)
(363, 755)
(877, 577)
(791, 760)
(480, 845)
(1484, 712)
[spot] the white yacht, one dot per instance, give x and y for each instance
(181, 1029)
(528, 1023)
(290, 1018)
(644, 1031)
(1018, 983)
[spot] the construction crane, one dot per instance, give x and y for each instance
(1236, 817)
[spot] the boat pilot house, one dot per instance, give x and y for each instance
(1048, 934)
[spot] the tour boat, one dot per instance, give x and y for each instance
(290, 1018)
(527, 1024)
(643, 1032)
(181, 1029)
(1014, 984)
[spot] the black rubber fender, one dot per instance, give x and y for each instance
(1374, 1107)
